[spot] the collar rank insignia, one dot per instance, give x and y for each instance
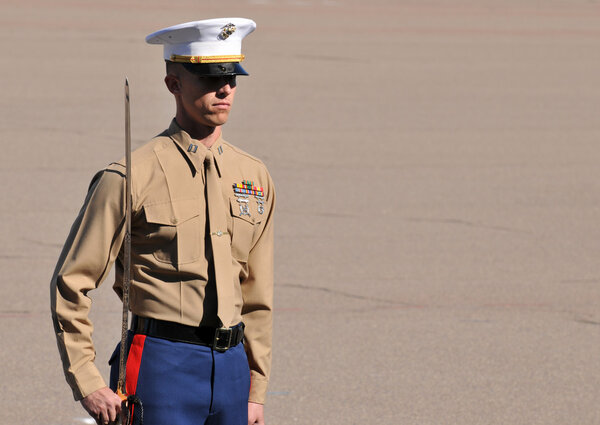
(226, 31)
(246, 189)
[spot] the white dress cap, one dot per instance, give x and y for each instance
(208, 41)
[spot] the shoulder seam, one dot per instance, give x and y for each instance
(244, 153)
(146, 157)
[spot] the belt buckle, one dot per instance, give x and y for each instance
(222, 341)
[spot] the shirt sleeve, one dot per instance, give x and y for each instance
(87, 256)
(257, 311)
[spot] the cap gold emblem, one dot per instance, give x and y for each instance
(226, 31)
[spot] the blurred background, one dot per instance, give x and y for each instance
(436, 165)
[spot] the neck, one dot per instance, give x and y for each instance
(204, 134)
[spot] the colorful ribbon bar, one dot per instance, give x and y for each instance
(247, 188)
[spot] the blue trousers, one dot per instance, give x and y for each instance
(186, 384)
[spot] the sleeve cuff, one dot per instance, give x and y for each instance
(86, 381)
(258, 389)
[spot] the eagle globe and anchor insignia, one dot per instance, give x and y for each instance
(226, 31)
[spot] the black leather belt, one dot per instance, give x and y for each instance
(219, 339)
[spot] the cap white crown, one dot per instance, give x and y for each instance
(199, 41)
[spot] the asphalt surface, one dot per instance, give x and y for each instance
(436, 165)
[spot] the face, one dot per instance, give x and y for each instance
(201, 100)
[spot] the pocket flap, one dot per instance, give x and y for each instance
(172, 213)
(244, 210)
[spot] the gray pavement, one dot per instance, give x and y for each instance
(436, 164)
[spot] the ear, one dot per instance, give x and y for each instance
(173, 84)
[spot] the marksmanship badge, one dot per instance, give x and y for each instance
(243, 191)
(244, 207)
(226, 31)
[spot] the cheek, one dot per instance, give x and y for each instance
(201, 104)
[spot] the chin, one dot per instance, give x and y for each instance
(219, 119)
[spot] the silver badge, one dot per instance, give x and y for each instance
(261, 204)
(244, 207)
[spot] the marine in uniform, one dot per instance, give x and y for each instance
(201, 289)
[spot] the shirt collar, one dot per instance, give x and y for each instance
(194, 150)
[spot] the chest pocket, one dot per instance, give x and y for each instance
(245, 220)
(175, 230)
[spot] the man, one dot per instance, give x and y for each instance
(201, 256)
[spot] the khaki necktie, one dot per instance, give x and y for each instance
(220, 241)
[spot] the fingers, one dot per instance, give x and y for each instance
(102, 419)
(103, 405)
(112, 412)
(107, 416)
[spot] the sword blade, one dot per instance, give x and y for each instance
(126, 246)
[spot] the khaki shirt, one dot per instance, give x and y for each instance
(169, 264)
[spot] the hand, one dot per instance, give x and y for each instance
(256, 414)
(103, 405)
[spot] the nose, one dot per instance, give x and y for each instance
(226, 85)
(225, 88)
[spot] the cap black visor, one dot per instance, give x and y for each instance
(215, 69)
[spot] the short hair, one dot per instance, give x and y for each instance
(171, 66)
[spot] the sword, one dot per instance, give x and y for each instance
(121, 391)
